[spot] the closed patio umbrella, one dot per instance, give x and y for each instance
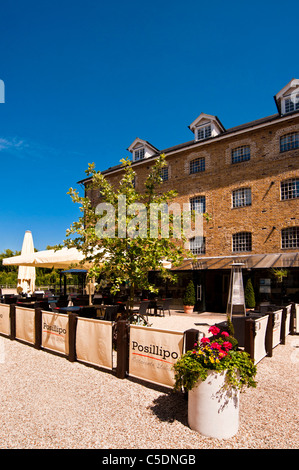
(26, 274)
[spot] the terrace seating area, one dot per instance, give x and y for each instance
(100, 305)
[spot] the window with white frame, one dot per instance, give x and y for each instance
(289, 141)
(203, 132)
(291, 104)
(241, 154)
(197, 165)
(241, 197)
(164, 173)
(242, 241)
(289, 189)
(197, 245)
(198, 204)
(138, 154)
(290, 237)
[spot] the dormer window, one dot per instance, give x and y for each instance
(287, 99)
(142, 149)
(138, 154)
(206, 126)
(203, 132)
(290, 105)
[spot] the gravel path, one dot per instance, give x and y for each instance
(49, 403)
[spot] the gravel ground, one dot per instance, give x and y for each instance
(49, 403)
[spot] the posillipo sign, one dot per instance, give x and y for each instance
(153, 353)
(55, 332)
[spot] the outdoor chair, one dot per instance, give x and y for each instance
(165, 305)
(80, 301)
(88, 312)
(110, 313)
(143, 307)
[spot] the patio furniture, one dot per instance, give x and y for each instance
(110, 313)
(142, 310)
(165, 305)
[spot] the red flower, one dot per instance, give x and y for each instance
(225, 333)
(215, 346)
(214, 330)
(204, 340)
(227, 345)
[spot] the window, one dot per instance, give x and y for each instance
(138, 154)
(291, 105)
(164, 173)
(289, 189)
(289, 142)
(290, 237)
(241, 154)
(242, 241)
(203, 132)
(198, 204)
(198, 245)
(197, 165)
(242, 197)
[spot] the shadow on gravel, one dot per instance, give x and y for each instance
(171, 407)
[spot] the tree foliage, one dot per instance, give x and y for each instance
(126, 257)
(249, 295)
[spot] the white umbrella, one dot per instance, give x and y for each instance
(60, 259)
(26, 274)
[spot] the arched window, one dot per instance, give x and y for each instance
(197, 165)
(289, 141)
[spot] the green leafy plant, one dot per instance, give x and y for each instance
(215, 353)
(249, 295)
(279, 273)
(128, 250)
(189, 297)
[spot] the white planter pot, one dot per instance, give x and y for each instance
(211, 411)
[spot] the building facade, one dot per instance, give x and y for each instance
(247, 179)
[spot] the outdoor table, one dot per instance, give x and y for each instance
(71, 309)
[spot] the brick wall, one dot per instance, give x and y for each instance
(267, 167)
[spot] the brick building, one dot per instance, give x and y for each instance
(247, 179)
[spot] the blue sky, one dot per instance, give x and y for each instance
(83, 79)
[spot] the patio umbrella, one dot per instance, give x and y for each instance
(60, 259)
(26, 274)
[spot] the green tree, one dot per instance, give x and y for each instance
(249, 295)
(123, 254)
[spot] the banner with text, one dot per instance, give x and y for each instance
(5, 319)
(25, 324)
(153, 352)
(55, 332)
(94, 342)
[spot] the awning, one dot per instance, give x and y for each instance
(262, 261)
(60, 259)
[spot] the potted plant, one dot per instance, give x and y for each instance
(189, 298)
(249, 295)
(213, 374)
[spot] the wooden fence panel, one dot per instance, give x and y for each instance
(256, 330)
(55, 332)
(5, 319)
(94, 342)
(25, 324)
(152, 354)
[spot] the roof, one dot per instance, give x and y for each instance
(186, 145)
(258, 261)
